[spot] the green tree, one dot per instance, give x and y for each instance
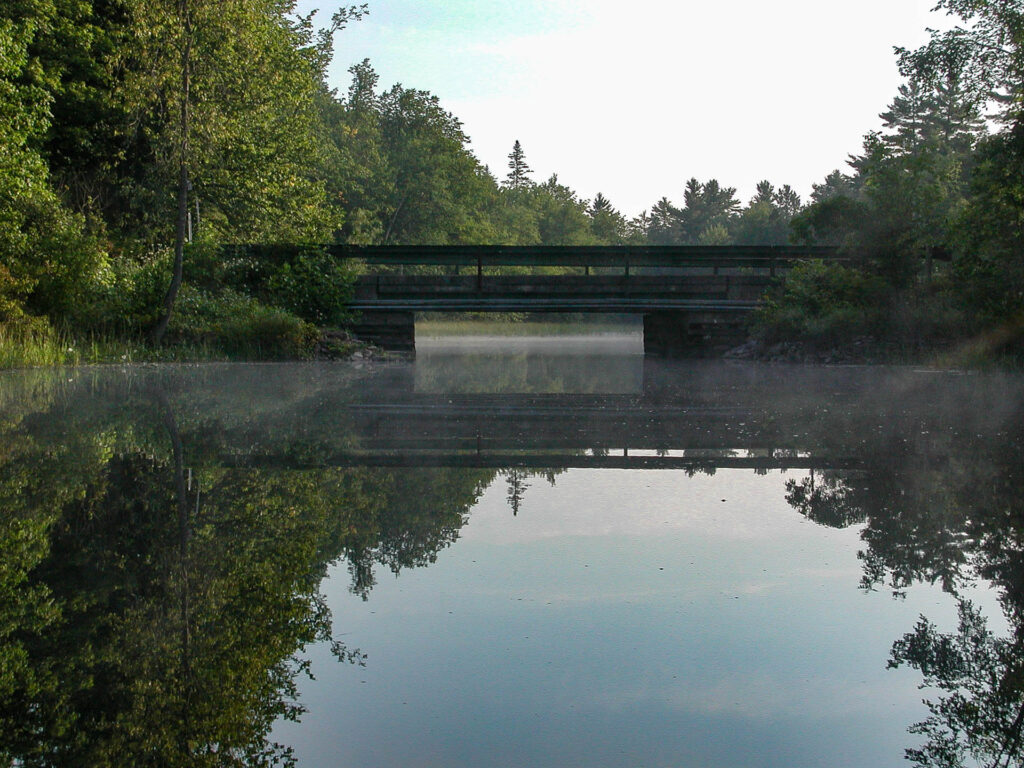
(518, 171)
(708, 208)
(228, 93)
(607, 224)
(46, 256)
(766, 220)
(561, 215)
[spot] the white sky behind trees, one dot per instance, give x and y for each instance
(632, 99)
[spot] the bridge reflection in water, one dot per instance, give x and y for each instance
(702, 417)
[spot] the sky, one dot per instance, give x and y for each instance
(631, 99)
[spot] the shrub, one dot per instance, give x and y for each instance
(314, 286)
(823, 303)
(241, 326)
(308, 283)
(126, 295)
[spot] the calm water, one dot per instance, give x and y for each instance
(511, 552)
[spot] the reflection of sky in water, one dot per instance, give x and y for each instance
(599, 364)
(623, 618)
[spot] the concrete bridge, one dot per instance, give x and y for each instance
(691, 297)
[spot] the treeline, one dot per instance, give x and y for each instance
(137, 136)
(933, 207)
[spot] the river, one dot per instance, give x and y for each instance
(544, 551)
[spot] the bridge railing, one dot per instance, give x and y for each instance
(618, 257)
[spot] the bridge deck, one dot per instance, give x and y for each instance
(689, 295)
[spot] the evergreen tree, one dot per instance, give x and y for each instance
(661, 226)
(835, 184)
(607, 224)
(765, 193)
(787, 201)
(519, 172)
(708, 210)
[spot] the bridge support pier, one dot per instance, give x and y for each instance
(395, 331)
(691, 333)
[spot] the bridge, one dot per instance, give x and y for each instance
(690, 297)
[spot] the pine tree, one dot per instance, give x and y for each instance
(519, 171)
(606, 223)
(601, 204)
(765, 192)
(787, 201)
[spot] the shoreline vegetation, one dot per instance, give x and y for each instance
(129, 157)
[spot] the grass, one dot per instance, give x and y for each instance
(42, 346)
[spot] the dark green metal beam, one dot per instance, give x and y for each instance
(764, 256)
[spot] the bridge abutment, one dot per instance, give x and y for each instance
(390, 330)
(691, 332)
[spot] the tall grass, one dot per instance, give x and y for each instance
(40, 345)
(30, 345)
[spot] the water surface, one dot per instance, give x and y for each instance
(511, 553)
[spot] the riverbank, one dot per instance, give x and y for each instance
(43, 346)
(979, 352)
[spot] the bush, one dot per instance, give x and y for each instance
(308, 283)
(126, 296)
(824, 304)
(46, 252)
(240, 326)
(314, 286)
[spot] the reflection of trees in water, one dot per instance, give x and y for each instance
(404, 519)
(824, 498)
(950, 515)
(152, 612)
(980, 715)
(528, 372)
(517, 482)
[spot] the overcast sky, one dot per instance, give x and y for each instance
(633, 98)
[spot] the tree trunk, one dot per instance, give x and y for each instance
(158, 332)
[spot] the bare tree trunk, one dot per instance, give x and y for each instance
(158, 332)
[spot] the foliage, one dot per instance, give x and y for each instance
(45, 253)
(314, 287)
(98, 131)
(823, 303)
(241, 326)
(991, 270)
(518, 171)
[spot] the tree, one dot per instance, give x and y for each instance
(987, 51)
(766, 221)
(519, 172)
(561, 215)
(606, 223)
(661, 227)
(46, 255)
(835, 183)
(708, 208)
(228, 92)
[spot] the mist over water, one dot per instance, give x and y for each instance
(510, 551)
